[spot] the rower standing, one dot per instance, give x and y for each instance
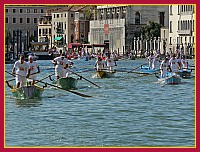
(99, 65)
(150, 59)
(164, 67)
(21, 69)
(61, 64)
(33, 69)
(173, 62)
(184, 63)
(110, 63)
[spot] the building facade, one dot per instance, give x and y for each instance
(120, 25)
(182, 28)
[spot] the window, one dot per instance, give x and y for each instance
(72, 15)
(49, 31)
(178, 25)
(14, 20)
(42, 11)
(14, 10)
(39, 31)
(28, 20)
(54, 15)
(137, 18)
(171, 10)
(28, 10)
(35, 10)
(170, 26)
(35, 20)
(6, 10)
(6, 20)
(162, 18)
(178, 9)
(21, 10)
(170, 40)
(57, 15)
(21, 20)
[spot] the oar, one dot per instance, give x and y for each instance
(74, 92)
(84, 78)
(44, 78)
(10, 80)
(136, 68)
(14, 75)
(10, 86)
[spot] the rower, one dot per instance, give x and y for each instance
(33, 69)
(110, 63)
(21, 69)
(61, 64)
(163, 67)
(173, 62)
(99, 65)
(184, 63)
(150, 59)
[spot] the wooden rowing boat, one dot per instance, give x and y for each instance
(171, 78)
(146, 70)
(105, 74)
(67, 83)
(27, 92)
(185, 73)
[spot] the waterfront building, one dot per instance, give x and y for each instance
(182, 28)
(119, 26)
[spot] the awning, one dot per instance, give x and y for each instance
(58, 38)
(71, 45)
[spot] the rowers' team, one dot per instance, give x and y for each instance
(174, 64)
(23, 70)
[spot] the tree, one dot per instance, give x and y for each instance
(151, 30)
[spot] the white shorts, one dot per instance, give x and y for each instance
(21, 79)
(60, 72)
(32, 77)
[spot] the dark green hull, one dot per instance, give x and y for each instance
(27, 92)
(67, 83)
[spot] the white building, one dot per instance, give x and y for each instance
(182, 28)
(119, 25)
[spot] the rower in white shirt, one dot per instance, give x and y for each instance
(61, 63)
(173, 63)
(33, 68)
(20, 69)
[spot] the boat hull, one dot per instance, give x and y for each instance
(67, 83)
(27, 92)
(184, 73)
(105, 74)
(170, 79)
(146, 70)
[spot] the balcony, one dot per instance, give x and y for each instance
(184, 32)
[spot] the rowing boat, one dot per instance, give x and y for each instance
(185, 73)
(105, 74)
(67, 83)
(146, 70)
(27, 92)
(171, 78)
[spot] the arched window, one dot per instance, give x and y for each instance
(137, 18)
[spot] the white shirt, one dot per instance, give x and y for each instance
(110, 62)
(164, 65)
(99, 64)
(21, 69)
(184, 63)
(61, 62)
(33, 67)
(173, 64)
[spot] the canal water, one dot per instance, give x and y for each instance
(129, 110)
